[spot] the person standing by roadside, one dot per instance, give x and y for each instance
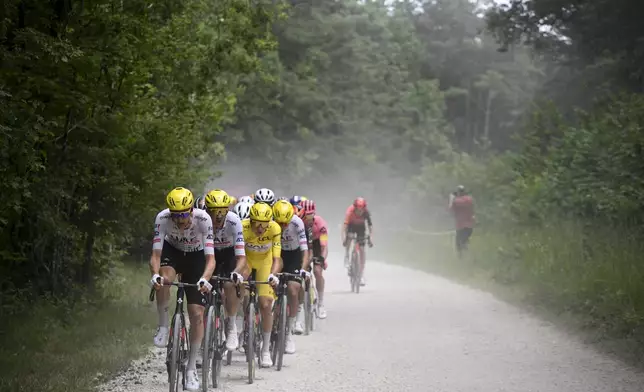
(462, 207)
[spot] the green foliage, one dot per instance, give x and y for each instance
(63, 345)
(106, 106)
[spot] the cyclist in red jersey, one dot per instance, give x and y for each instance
(462, 206)
(356, 219)
(317, 235)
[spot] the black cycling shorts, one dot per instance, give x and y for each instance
(190, 265)
(292, 260)
(360, 232)
(226, 262)
(317, 248)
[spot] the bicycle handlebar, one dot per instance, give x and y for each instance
(222, 279)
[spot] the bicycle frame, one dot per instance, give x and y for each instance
(172, 357)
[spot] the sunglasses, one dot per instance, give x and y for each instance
(218, 210)
(180, 215)
(263, 225)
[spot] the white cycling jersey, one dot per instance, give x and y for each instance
(199, 236)
(231, 234)
(294, 236)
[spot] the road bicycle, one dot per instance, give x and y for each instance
(279, 331)
(355, 276)
(311, 303)
(252, 326)
(179, 339)
(214, 346)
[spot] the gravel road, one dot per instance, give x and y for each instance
(411, 331)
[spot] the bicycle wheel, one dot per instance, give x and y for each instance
(209, 347)
(281, 333)
(219, 345)
(356, 271)
(275, 329)
(308, 310)
(174, 352)
(250, 350)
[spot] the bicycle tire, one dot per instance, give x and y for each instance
(250, 350)
(219, 346)
(209, 346)
(281, 334)
(308, 311)
(356, 270)
(275, 330)
(175, 354)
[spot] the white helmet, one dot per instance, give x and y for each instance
(246, 199)
(242, 210)
(265, 195)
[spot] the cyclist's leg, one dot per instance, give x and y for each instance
(292, 261)
(191, 268)
(266, 296)
(226, 263)
(169, 257)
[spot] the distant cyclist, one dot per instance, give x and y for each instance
(246, 199)
(264, 195)
(462, 206)
(183, 243)
(242, 209)
(200, 203)
(356, 220)
(318, 239)
(295, 259)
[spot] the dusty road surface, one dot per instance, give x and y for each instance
(410, 331)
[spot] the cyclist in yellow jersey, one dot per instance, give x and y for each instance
(262, 240)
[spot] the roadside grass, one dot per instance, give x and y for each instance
(587, 280)
(60, 347)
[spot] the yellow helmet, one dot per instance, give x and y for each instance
(180, 199)
(303, 198)
(282, 211)
(261, 212)
(233, 200)
(217, 199)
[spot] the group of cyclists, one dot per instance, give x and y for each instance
(257, 235)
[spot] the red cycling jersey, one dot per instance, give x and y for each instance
(353, 219)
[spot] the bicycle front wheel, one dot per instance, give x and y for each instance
(209, 348)
(174, 367)
(356, 272)
(308, 310)
(281, 333)
(218, 346)
(250, 348)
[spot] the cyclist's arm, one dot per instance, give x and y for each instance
(240, 246)
(306, 252)
(277, 252)
(208, 248)
(157, 246)
(369, 224)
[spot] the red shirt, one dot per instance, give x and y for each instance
(463, 210)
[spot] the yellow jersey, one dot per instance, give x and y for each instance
(262, 249)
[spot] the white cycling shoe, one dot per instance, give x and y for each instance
(266, 359)
(161, 337)
(322, 312)
(289, 345)
(192, 380)
(299, 322)
(232, 339)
